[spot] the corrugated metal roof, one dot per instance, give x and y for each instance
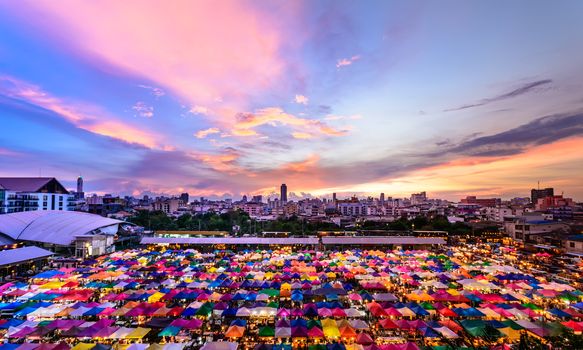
(229, 240)
(380, 240)
(51, 226)
(13, 256)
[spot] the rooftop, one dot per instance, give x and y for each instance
(51, 226)
(382, 240)
(19, 255)
(229, 240)
(32, 184)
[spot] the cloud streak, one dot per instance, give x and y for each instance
(343, 62)
(95, 121)
(539, 131)
(524, 89)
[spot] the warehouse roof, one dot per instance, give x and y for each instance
(19, 255)
(382, 240)
(229, 240)
(52, 226)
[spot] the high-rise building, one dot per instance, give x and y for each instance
(80, 194)
(185, 197)
(257, 199)
(334, 197)
(382, 199)
(535, 194)
(283, 193)
(418, 198)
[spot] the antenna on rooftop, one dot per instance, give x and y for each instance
(539, 184)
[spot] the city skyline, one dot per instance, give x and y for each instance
(238, 98)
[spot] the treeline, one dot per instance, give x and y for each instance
(239, 222)
(233, 222)
(437, 223)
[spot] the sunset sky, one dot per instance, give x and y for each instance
(223, 98)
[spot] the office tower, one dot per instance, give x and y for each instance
(283, 193)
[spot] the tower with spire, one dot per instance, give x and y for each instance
(80, 194)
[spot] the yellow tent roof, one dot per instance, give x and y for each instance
(331, 332)
(83, 346)
(329, 322)
(155, 297)
(138, 333)
(52, 285)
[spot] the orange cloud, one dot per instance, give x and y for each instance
(557, 164)
(225, 161)
(90, 119)
(302, 166)
(274, 116)
(243, 132)
(201, 134)
(301, 135)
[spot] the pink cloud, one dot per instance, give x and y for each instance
(8, 153)
(301, 99)
(197, 49)
(199, 110)
(347, 61)
(143, 110)
(91, 119)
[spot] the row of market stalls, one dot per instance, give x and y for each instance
(342, 299)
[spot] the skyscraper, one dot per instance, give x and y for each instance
(283, 193)
(382, 199)
(80, 194)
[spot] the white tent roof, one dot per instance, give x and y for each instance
(51, 226)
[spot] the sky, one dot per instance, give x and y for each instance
(220, 99)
